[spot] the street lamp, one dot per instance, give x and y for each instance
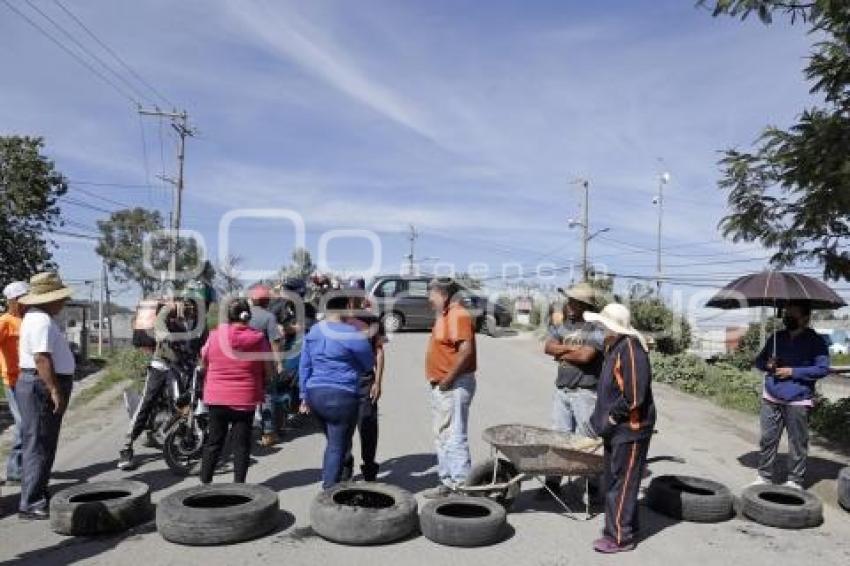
(586, 237)
(663, 179)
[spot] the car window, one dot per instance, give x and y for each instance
(417, 288)
(388, 288)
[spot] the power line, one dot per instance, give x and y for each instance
(114, 55)
(73, 54)
(117, 185)
(103, 198)
(82, 204)
(87, 51)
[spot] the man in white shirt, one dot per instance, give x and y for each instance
(43, 389)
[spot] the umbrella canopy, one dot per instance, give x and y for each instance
(775, 289)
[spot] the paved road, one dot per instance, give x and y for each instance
(515, 386)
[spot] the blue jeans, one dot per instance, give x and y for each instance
(13, 464)
(450, 412)
(40, 433)
(337, 410)
(571, 411)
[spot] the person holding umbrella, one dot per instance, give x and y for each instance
(792, 360)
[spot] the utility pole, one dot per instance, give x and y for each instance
(100, 312)
(410, 257)
(108, 310)
(584, 237)
(663, 179)
(180, 123)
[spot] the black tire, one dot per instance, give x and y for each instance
(100, 507)
(463, 521)
(843, 486)
(360, 514)
(216, 514)
(393, 322)
(690, 499)
(782, 507)
(482, 474)
(183, 448)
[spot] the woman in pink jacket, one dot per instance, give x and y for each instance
(237, 362)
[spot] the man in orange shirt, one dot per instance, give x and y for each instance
(450, 369)
(10, 327)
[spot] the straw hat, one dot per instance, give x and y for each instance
(617, 318)
(582, 292)
(45, 288)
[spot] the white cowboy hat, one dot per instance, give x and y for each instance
(617, 318)
(46, 288)
(15, 290)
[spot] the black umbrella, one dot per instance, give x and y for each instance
(775, 289)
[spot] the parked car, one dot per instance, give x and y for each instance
(402, 303)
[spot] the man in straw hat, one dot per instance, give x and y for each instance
(624, 417)
(43, 389)
(10, 331)
(577, 347)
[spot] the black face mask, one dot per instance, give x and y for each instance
(791, 323)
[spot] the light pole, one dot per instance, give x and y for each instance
(586, 238)
(663, 179)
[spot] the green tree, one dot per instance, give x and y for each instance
(301, 266)
(121, 246)
(30, 188)
(650, 315)
(792, 192)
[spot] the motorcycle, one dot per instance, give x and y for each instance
(184, 440)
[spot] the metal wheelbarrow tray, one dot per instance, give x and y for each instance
(536, 452)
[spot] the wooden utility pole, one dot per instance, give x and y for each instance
(180, 123)
(108, 311)
(100, 311)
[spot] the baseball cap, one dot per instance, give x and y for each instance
(15, 290)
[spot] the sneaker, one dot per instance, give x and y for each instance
(125, 459)
(759, 481)
(794, 485)
(438, 492)
(268, 439)
(34, 515)
(607, 545)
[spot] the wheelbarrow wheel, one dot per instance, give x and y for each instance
(482, 475)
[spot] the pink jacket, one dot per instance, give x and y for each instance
(235, 368)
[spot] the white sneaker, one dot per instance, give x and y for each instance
(794, 485)
(759, 481)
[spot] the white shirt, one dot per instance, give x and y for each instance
(41, 335)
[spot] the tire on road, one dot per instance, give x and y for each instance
(781, 507)
(690, 499)
(843, 486)
(217, 514)
(463, 521)
(482, 474)
(364, 514)
(100, 508)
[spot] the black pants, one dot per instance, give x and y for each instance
(624, 465)
(155, 383)
(238, 423)
(367, 428)
(39, 435)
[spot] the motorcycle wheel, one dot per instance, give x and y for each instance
(183, 448)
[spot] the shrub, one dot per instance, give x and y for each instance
(831, 419)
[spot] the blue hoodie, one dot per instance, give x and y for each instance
(808, 356)
(334, 355)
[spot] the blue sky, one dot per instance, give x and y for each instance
(468, 119)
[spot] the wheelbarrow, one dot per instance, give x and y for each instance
(521, 452)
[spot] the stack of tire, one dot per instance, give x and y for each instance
(690, 499)
(99, 508)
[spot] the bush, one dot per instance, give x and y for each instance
(724, 384)
(126, 364)
(672, 334)
(831, 419)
